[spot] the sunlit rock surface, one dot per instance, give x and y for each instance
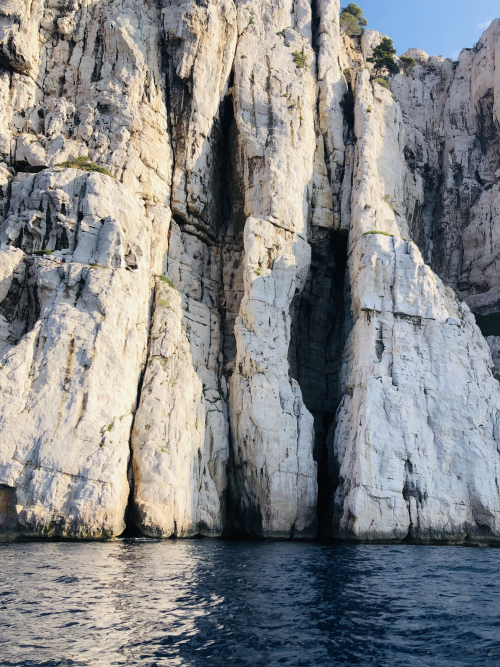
(245, 288)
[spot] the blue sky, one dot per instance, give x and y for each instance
(439, 27)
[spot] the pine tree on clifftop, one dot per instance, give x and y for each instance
(352, 20)
(383, 57)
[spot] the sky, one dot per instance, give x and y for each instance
(439, 27)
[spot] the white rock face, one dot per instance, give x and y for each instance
(275, 474)
(417, 432)
(73, 353)
(273, 429)
(263, 321)
(203, 42)
(417, 437)
(178, 482)
(180, 440)
(450, 110)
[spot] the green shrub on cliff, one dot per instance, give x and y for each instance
(349, 25)
(383, 57)
(407, 61)
(381, 81)
(84, 163)
(352, 20)
(165, 280)
(300, 59)
(376, 231)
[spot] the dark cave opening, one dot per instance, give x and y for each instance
(20, 306)
(489, 324)
(315, 26)
(131, 529)
(320, 323)
(232, 206)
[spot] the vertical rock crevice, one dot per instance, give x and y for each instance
(132, 521)
(320, 325)
(231, 240)
(320, 314)
(182, 422)
(272, 437)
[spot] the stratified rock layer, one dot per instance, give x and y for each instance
(253, 309)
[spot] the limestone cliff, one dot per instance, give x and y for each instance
(244, 287)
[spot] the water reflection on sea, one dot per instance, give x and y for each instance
(214, 603)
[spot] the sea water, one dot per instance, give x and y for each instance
(216, 603)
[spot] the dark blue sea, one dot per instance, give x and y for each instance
(212, 603)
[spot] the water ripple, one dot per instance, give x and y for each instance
(211, 604)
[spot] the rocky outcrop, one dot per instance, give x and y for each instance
(244, 288)
(73, 349)
(275, 475)
(451, 118)
(420, 401)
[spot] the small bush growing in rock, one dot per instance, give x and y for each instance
(355, 11)
(408, 62)
(387, 199)
(42, 252)
(85, 164)
(299, 58)
(349, 25)
(165, 280)
(381, 81)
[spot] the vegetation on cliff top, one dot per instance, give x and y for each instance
(352, 20)
(383, 57)
(381, 81)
